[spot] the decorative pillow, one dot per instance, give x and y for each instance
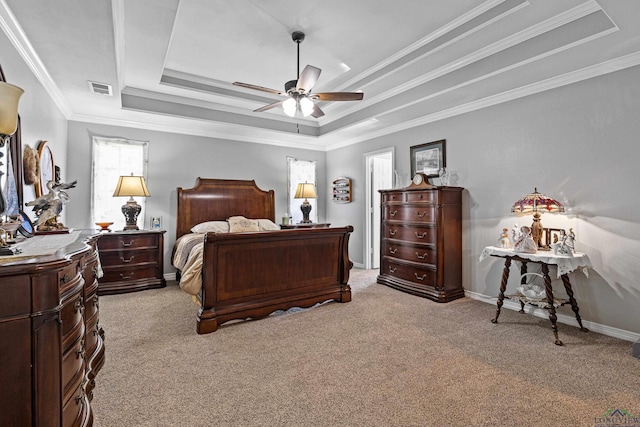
(211, 226)
(240, 224)
(267, 225)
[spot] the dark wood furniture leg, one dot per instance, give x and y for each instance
(550, 307)
(503, 287)
(572, 301)
(523, 281)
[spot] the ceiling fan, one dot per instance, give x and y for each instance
(298, 91)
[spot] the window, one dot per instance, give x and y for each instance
(301, 171)
(111, 159)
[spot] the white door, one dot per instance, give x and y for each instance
(379, 177)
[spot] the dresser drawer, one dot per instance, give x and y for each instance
(91, 336)
(73, 366)
(125, 241)
(415, 234)
(424, 196)
(425, 213)
(132, 273)
(391, 197)
(68, 277)
(132, 256)
(75, 408)
(419, 275)
(426, 255)
(71, 313)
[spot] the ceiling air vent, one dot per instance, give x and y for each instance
(100, 88)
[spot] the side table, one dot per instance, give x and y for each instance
(305, 225)
(131, 261)
(565, 264)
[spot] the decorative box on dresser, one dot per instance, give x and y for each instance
(421, 241)
(131, 261)
(51, 344)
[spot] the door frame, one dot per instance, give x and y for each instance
(368, 248)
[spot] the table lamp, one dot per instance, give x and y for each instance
(305, 191)
(129, 186)
(9, 97)
(536, 203)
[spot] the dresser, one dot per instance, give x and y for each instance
(51, 344)
(421, 241)
(131, 261)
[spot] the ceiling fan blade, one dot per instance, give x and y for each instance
(308, 78)
(317, 112)
(260, 88)
(338, 96)
(268, 107)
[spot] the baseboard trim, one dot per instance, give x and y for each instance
(562, 318)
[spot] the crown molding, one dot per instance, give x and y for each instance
(18, 38)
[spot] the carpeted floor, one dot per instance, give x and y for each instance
(385, 359)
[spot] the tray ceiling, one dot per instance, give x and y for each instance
(171, 63)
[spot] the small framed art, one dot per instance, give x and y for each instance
(155, 222)
(428, 158)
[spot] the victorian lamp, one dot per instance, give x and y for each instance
(305, 191)
(130, 186)
(536, 203)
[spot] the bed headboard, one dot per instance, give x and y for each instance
(218, 199)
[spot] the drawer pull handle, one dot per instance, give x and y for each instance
(421, 236)
(420, 277)
(78, 399)
(95, 272)
(64, 278)
(394, 213)
(127, 244)
(127, 260)
(420, 196)
(421, 257)
(126, 276)
(393, 251)
(393, 232)
(422, 215)
(96, 300)
(392, 270)
(80, 354)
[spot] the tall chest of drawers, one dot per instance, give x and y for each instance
(421, 241)
(51, 344)
(131, 261)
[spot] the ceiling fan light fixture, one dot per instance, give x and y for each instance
(289, 106)
(306, 106)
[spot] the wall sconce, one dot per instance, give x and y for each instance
(305, 191)
(535, 203)
(9, 97)
(129, 186)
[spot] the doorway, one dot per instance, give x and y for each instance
(379, 172)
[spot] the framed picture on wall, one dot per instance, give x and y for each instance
(428, 158)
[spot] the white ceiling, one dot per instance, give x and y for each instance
(171, 63)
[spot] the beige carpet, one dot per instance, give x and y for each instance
(385, 359)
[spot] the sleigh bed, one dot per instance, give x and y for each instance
(252, 274)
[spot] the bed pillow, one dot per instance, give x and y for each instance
(211, 226)
(240, 224)
(267, 225)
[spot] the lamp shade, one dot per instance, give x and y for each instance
(131, 186)
(9, 97)
(306, 191)
(536, 202)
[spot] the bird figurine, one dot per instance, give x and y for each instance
(48, 207)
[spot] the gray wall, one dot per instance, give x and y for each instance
(176, 161)
(578, 143)
(40, 116)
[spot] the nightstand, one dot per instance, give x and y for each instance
(131, 261)
(306, 225)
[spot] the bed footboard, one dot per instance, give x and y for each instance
(250, 275)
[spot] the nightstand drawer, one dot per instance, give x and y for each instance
(125, 274)
(132, 257)
(127, 241)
